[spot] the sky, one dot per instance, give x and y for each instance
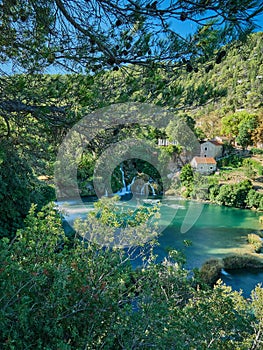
(260, 22)
(183, 28)
(187, 27)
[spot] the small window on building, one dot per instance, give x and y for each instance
(205, 155)
(205, 148)
(211, 167)
(201, 167)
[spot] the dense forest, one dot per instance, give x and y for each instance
(61, 291)
(40, 109)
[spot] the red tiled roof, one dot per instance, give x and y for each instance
(216, 143)
(204, 160)
(220, 138)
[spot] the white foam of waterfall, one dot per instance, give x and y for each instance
(130, 185)
(223, 272)
(146, 185)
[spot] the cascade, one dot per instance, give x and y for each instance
(126, 189)
(123, 178)
(223, 272)
(151, 186)
(130, 185)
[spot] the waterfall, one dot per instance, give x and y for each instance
(223, 272)
(126, 189)
(151, 186)
(142, 189)
(130, 185)
(123, 190)
(106, 193)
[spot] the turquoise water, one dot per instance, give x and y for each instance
(214, 232)
(217, 232)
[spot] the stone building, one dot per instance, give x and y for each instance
(211, 149)
(204, 165)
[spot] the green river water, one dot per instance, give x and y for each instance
(214, 232)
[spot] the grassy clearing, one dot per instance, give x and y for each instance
(233, 174)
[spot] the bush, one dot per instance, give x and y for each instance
(187, 179)
(233, 161)
(255, 241)
(62, 294)
(252, 167)
(234, 195)
(19, 188)
(256, 151)
(213, 192)
(254, 199)
(239, 261)
(187, 175)
(210, 271)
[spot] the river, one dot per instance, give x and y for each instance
(214, 232)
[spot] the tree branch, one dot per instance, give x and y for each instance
(53, 114)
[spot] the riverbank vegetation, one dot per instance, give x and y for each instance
(244, 261)
(249, 257)
(60, 292)
(210, 271)
(256, 242)
(238, 183)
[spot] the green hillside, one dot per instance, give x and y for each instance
(209, 92)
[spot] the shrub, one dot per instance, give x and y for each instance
(19, 188)
(256, 151)
(187, 175)
(233, 161)
(254, 199)
(239, 261)
(255, 241)
(213, 192)
(252, 167)
(234, 195)
(187, 179)
(210, 271)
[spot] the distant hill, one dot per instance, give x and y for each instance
(239, 78)
(208, 92)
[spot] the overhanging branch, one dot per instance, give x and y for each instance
(51, 114)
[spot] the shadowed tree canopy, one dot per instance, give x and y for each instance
(91, 36)
(104, 34)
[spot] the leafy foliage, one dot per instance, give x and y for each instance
(57, 32)
(71, 295)
(255, 241)
(254, 200)
(245, 132)
(234, 195)
(187, 178)
(18, 189)
(234, 161)
(210, 271)
(110, 225)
